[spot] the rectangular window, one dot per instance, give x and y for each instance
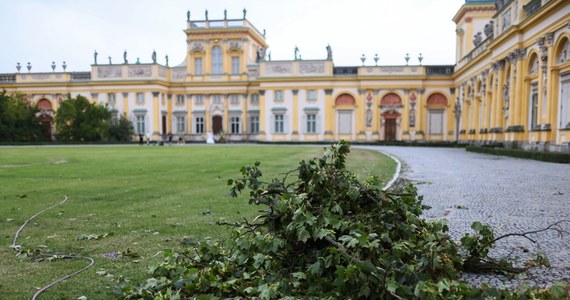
(235, 65)
(235, 125)
(311, 95)
(140, 124)
(234, 99)
(254, 124)
(279, 123)
(180, 124)
(255, 99)
(435, 121)
(199, 100)
(312, 123)
(198, 66)
(345, 122)
(140, 98)
(180, 100)
(199, 121)
(278, 96)
(217, 61)
(217, 99)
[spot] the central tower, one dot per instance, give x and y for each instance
(221, 49)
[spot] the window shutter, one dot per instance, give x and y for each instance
(319, 125)
(272, 124)
(304, 124)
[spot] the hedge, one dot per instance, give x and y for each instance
(555, 157)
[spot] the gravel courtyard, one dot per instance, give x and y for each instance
(512, 195)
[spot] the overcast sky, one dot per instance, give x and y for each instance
(42, 31)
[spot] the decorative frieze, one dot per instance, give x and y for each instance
(278, 68)
(109, 72)
(139, 71)
(311, 67)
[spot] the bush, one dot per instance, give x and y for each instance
(556, 157)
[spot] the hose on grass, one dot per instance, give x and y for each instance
(17, 247)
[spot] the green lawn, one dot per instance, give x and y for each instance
(146, 199)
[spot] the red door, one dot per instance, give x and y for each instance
(390, 130)
(217, 124)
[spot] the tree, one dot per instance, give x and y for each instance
(121, 130)
(19, 121)
(78, 120)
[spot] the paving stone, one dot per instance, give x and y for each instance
(511, 195)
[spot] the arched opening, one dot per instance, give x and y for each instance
(437, 106)
(345, 100)
(46, 112)
(390, 125)
(390, 112)
(532, 88)
(345, 110)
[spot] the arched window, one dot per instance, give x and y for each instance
(390, 99)
(345, 100)
(436, 104)
(217, 63)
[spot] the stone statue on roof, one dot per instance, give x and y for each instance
(329, 52)
(188, 15)
(125, 57)
(95, 56)
(244, 12)
(296, 52)
(206, 13)
(166, 57)
(225, 14)
(154, 57)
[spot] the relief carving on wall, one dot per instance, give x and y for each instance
(278, 68)
(311, 68)
(139, 71)
(369, 110)
(109, 72)
(197, 48)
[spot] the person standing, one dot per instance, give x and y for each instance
(140, 139)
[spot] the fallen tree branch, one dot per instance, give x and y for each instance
(342, 250)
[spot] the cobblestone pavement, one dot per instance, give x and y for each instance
(511, 195)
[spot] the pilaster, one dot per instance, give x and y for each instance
(156, 112)
(329, 115)
(295, 127)
(262, 116)
(169, 113)
(126, 103)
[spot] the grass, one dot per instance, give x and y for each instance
(146, 199)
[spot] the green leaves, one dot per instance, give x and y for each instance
(324, 234)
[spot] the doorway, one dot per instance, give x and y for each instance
(217, 124)
(390, 129)
(164, 125)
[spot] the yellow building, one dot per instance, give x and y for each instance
(510, 84)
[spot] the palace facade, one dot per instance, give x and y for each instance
(510, 84)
